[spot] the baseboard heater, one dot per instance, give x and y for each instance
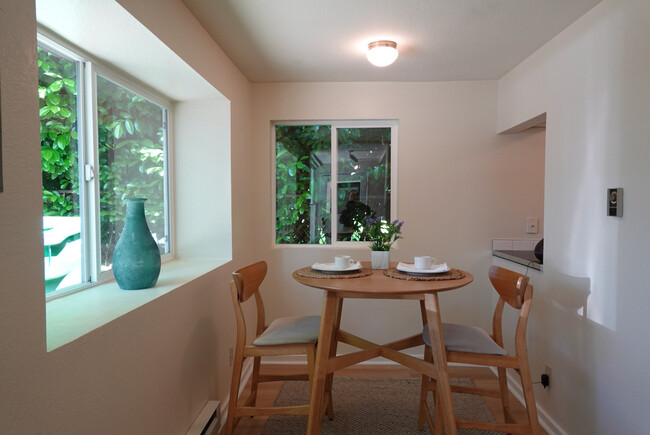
(207, 421)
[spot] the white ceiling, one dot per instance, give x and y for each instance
(325, 40)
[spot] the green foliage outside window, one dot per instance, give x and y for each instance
(294, 147)
(131, 157)
(57, 93)
(303, 175)
(130, 149)
(376, 172)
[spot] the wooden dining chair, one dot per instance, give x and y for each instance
(283, 336)
(474, 346)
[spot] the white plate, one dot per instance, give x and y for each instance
(435, 268)
(331, 267)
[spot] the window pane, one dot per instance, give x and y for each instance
(131, 139)
(57, 92)
(363, 179)
(302, 177)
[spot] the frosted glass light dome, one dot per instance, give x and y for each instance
(382, 53)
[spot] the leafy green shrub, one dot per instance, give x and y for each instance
(130, 133)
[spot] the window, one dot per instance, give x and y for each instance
(348, 161)
(101, 140)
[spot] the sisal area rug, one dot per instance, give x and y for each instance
(372, 406)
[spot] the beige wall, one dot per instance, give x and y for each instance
(151, 370)
(459, 186)
(590, 321)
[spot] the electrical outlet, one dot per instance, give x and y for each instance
(231, 357)
(548, 371)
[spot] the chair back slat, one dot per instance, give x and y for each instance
(510, 285)
(248, 279)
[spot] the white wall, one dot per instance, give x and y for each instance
(201, 170)
(593, 81)
(151, 370)
(459, 186)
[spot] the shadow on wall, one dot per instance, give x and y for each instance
(569, 342)
(569, 293)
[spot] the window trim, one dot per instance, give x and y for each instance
(336, 124)
(87, 70)
(62, 50)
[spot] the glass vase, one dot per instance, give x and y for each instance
(136, 258)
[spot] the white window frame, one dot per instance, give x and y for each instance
(335, 125)
(87, 71)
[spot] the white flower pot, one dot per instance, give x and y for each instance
(380, 259)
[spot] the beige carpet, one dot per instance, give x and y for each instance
(372, 405)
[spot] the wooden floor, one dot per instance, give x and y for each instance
(268, 391)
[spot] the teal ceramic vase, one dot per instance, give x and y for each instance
(136, 258)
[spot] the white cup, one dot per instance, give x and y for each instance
(343, 261)
(423, 262)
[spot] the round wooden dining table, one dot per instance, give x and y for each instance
(379, 284)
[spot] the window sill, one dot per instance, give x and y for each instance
(75, 315)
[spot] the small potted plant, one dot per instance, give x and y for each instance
(382, 234)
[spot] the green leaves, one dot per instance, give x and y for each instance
(55, 86)
(62, 141)
(60, 203)
(47, 154)
(52, 99)
(128, 124)
(118, 131)
(131, 158)
(294, 201)
(57, 111)
(302, 176)
(130, 148)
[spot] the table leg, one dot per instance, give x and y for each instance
(424, 383)
(325, 337)
(329, 380)
(443, 388)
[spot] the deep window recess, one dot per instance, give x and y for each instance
(102, 140)
(348, 161)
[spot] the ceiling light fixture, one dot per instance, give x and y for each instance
(382, 53)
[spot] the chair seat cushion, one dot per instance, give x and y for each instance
(465, 338)
(285, 330)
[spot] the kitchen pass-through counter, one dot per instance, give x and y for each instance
(518, 251)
